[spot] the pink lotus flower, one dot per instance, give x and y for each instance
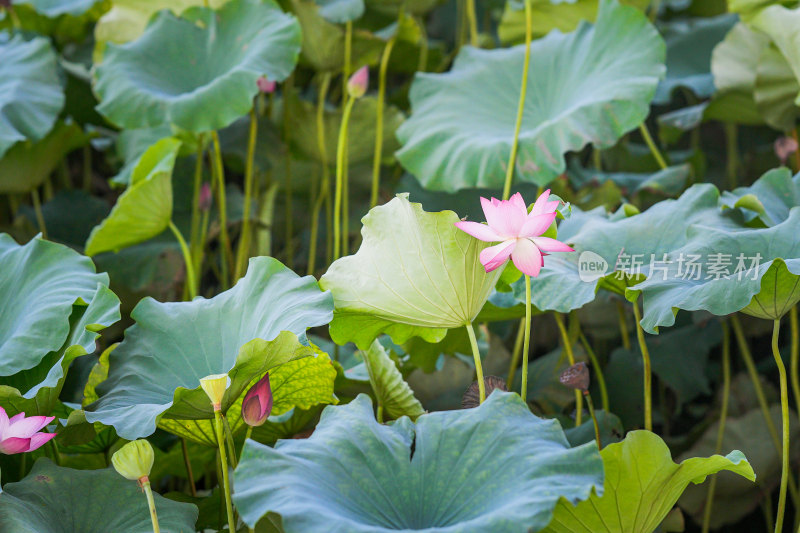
(20, 434)
(358, 82)
(257, 403)
(520, 233)
(265, 86)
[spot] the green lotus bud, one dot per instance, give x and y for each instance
(215, 386)
(134, 460)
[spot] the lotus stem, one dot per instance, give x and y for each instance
(87, 168)
(567, 342)
(515, 354)
(794, 352)
(796, 152)
(648, 375)
(654, 10)
(288, 86)
(723, 415)
(243, 251)
(376, 160)
(732, 154)
(590, 405)
(598, 371)
(379, 414)
(37, 209)
(476, 355)
(473, 22)
(526, 341)
(325, 186)
(512, 159)
(151, 503)
(422, 64)
(340, 169)
(785, 426)
(225, 241)
(229, 439)
(623, 325)
(223, 462)
(652, 146)
(191, 282)
(195, 246)
(189, 471)
(348, 54)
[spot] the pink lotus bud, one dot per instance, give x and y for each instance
(358, 83)
(204, 202)
(257, 403)
(265, 85)
(784, 147)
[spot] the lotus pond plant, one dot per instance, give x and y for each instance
(361, 266)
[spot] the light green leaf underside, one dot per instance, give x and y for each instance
(144, 210)
(245, 331)
(642, 484)
(391, 390)
(589, 86)
(354, 475)
(771, 197)
(415, 274)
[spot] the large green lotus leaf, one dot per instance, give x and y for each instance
(391, 390)
(781, 25)
(642, 484)
(56, 8)
(26, 165)
(776, 89)
(669, 181)
(589, 86)
(36, 390)
(340, 11)
(415, 274)
(245, 331)
(361, 147)
(689, 48)
(612, 243)
(52, 499)
(127, 19)
(157, 79)
(132, 144)
(40, 283)
(494, 468)
(756, 271)
(144, 210)
(771, 197)
(31, 96)
(301, 383)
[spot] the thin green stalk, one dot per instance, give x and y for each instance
(197, 185)
(512, 159)
(566, 341)
(648, 374)
(526, 341)
(54, 454)
(723, 415)
(229, 439)
(223, 462)
(324, 191)
(187, 259)
(337, 204)
(652, 146)
(795, 356)
(288, 86)
(623, 325)
(376, 159)
(476, 355)
(225, 242)
(512, 367)
(151, 504)
(473, 22)
(732, 154)
(348, 54)
(654, 10)
(243, 251)
(379, 414)
(598, 371)
(37, 209)
(590, 404)
(188, 464)
(785, 426)
(422, 64)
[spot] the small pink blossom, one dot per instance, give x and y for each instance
(358, 83)
(520, 233)
(20, 434)
(784, 147)
(265, 86)
(257, 403)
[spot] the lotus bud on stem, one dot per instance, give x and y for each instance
(134, 461)
(577, 377)
(215, 386)
(257, 405)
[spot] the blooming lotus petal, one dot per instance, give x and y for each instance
(517, 201)
(14, 445)
(39, 440)
(26, 427)
(3, 422)
(546, 244)
(494, 217)
(527, 258)
(536, 225)
(479, 231)
(541, 203)
(495, 256)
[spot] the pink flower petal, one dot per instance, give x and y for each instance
(14, 445)
(527, 258)
(40, 439)
(3, 422)
(541, 203)
(479, 231)
(25, 428)
(16, 417)
(495, 256)
(537, 225)
(517, 201)
(546, 244)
